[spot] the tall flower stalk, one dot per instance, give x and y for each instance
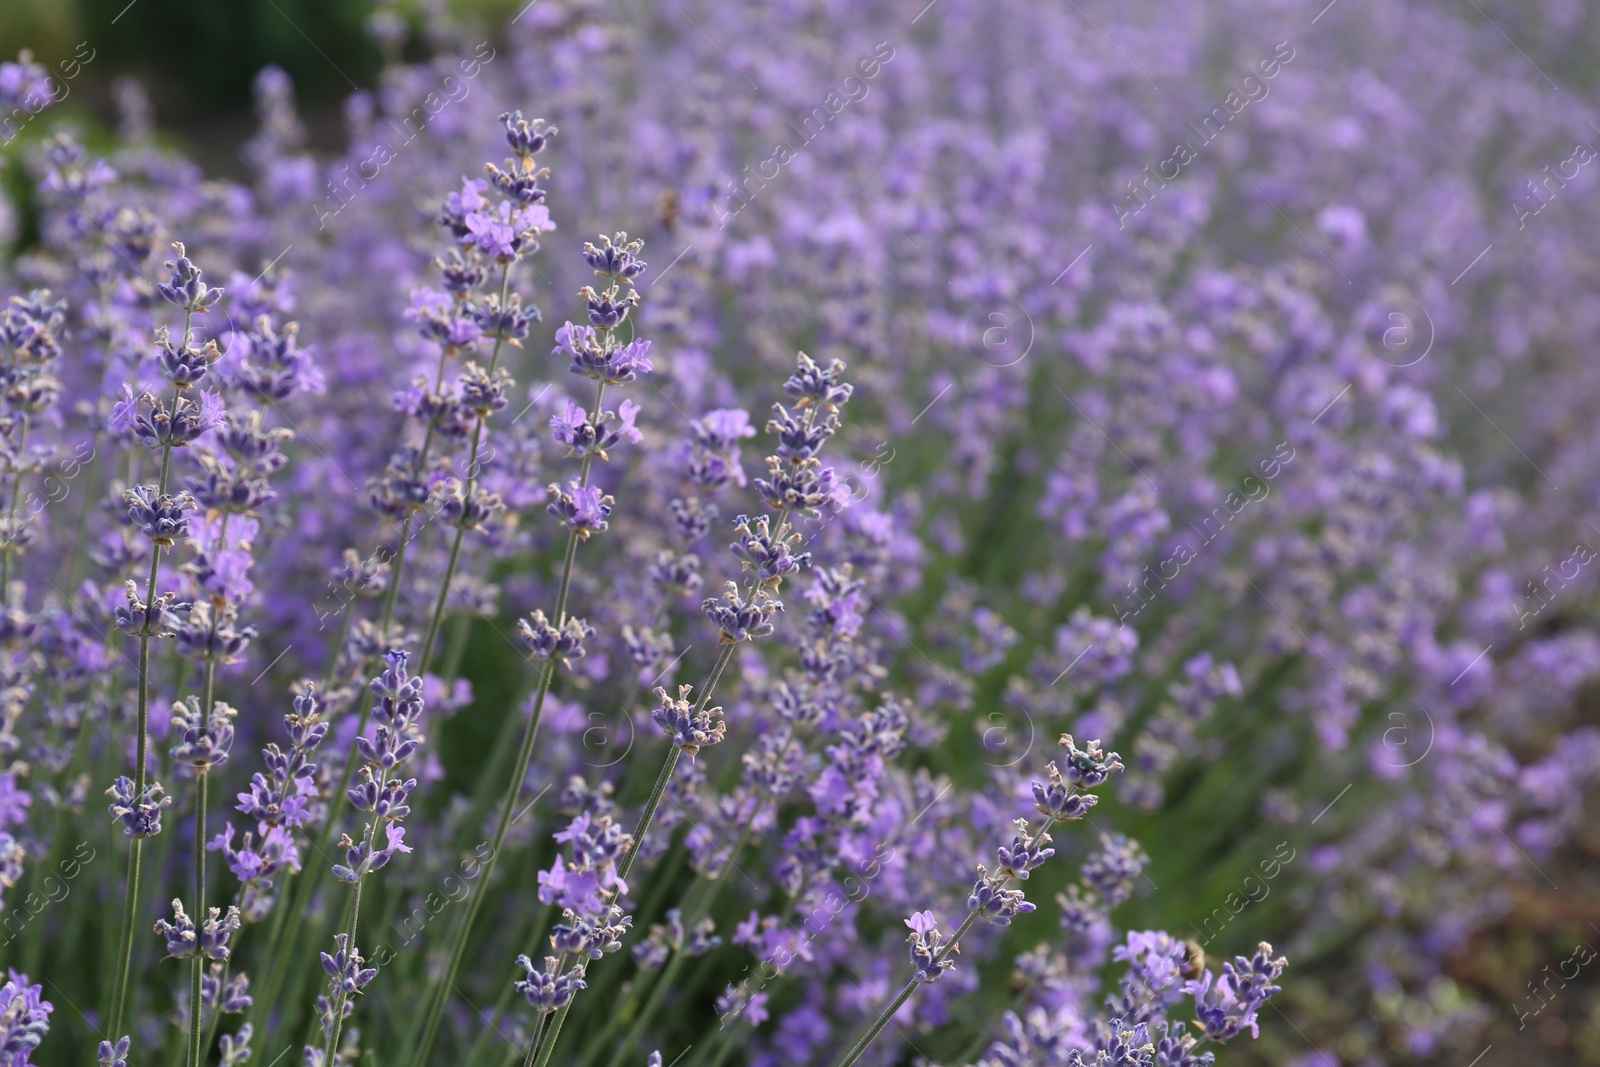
(995, 897)
(162, 425)
(456, 320)
(596, 353)
(383, 794)
(204, 737)
(797, 482)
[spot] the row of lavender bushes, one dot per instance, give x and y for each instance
(382, 541)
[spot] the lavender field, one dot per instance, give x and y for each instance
(804, 534)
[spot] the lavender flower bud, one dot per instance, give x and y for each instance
(1115, 869)
(739, 620)
(24, 1019)
(563, 644)
(207, 633)
(1089, 766)
(583, 509)
(202, 742)
(997, 903)
(546, 990)
(675, 575)
(607, 310)
(473, 512)
(210, 941)
(184, 364)
(573, 429)
(159, 619)
(235, 1048)
(274, 367)
(1025, 851)
(615, 257)
(232, 998)
(804, 486)
(693, 518)
(115, 1055)
(927, 945)
(509, 321)
(346, 978)
(810, 384)
(686, 728)
(141, 816)
(593, 358)
(162, 518)
(1227, 1005)
(185, 287)
(360, 860)
(769, 558)
(798, 439)
(590, 936)
(526, 137)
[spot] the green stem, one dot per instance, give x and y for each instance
(436, 1004)
(277, 961)
(658, 993)
(455, 649)
(986, 1028)
(668, 765)
(507, 989)
(472, 478)
(547, 1043)
(131, 892)
(350, 930)
(700, 899)
(430, 1026)
(197, 967)
(216, 1011)
(724, 1051)
(129, 905)
(646, 817)
(16, 483)
(888, 1013)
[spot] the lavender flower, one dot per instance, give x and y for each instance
(235, 1048)
(115, 1055)
(1227, 1005)
(592, 358)
(184, 286)
(928, 959)
(203, 741)
(563, 644)
(140, 813)
(209, 941)
(286, 794)
(583, 509)
(346, 977)
(686, 727)
(548, 988)
(24, 1019)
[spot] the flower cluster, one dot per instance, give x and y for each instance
(397, 711)
(24, 1014)
(1227, 1004)
(688, 726)
(1218, 491)
(210, 940)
